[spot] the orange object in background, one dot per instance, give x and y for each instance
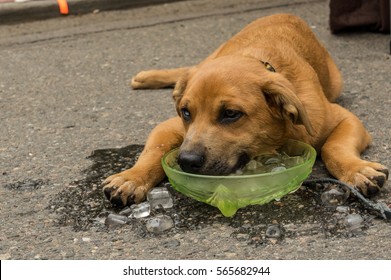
(63, 5)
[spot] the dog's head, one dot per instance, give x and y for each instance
(233, 108)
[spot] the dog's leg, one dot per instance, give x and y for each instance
(158, 78)
(132, 185)
(341, 154)
(335, 81)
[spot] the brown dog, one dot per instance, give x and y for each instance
(270, 82)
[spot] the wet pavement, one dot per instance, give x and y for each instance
(328, 208)
(69, 119)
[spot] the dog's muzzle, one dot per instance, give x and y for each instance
(195, 162)
(191, 161)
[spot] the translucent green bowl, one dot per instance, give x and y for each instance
(229, 193)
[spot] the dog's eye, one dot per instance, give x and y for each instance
(185, 114)
(229, 116)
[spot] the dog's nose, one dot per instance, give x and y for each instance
(191, 162)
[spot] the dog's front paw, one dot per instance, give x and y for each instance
(367, 177)
(147, 79)
(125, 188)
(153, 79)
(140, 80)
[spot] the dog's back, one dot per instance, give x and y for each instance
(287, 40)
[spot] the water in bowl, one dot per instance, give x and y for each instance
(270, 163)
(266, 163)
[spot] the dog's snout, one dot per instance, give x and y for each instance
(191, 162)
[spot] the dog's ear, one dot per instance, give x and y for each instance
(284, 103)
(179, 88)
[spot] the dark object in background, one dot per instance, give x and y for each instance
(368, 15)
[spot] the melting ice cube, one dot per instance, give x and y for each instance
(160, 196)
(159, 223)
(115, 220)
(334, 197)
(141, 210)
(354, 222)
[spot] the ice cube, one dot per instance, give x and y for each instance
(125, 211)
(342, 209)
(252, 165)
(160, 197)
(278, 169)
(292, 161)
(141, 210)
(263, 158)
(159, 223)
(334, 197)
(273, 160)
(354, 222)
(115, 220)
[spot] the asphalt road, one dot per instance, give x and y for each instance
(64, 93)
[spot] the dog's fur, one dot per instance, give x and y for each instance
(270, 82)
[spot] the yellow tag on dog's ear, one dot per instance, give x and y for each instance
(268, 66)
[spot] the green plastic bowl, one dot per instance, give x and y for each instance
(229, 193)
